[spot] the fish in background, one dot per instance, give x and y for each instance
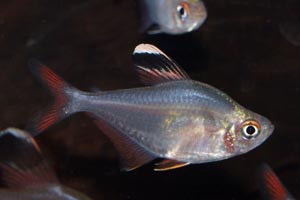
(270, 186)
(26, 173)
(172, 17)
(291, 32)
(174, 117)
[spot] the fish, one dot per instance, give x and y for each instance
(270, 186)
(290, 30)
(173, 117)
(26, 172)
(172, 17)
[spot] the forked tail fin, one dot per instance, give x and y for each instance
(62, 93)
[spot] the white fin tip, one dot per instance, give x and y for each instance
(148, 48)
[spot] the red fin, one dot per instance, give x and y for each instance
(131, 154)
(154, 66)
(58, 87)
(21, 162)
(271, 187)
(168, 164)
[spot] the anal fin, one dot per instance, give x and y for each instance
(168, 164)
(131, 154)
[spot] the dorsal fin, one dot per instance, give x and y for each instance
(21, 162)
(271, 186)
(154, 66)
(131, 154)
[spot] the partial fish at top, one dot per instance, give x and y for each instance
(172, 16)
(26, 172)
(174, 117)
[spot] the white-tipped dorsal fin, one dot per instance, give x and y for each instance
(21, 161)
(154, 66)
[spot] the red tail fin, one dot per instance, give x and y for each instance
(271, 186)
(58, 88)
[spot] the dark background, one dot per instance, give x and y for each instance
(240, 50)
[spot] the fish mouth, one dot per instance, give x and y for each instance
(196, 25)
(271, 128)
(267, 132)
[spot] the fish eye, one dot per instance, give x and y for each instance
(250, 129)
(182, 10)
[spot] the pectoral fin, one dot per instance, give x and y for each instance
(168, 164)
(131, 154)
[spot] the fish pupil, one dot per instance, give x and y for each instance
(181, 11)
(250, 130)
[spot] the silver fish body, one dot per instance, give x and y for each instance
(178, 119)
(46, 192)
(173, 17)
(183, 120)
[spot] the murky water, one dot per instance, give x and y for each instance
(240, 49)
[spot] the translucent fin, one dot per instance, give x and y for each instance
(271, 187)
(131, 154)
(168, 164)
(21, 162)
(61, 92)
(154, 66)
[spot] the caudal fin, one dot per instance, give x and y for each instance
(62, 98)
(270, 185)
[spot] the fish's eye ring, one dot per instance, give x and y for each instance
(183, 10)
(250, 129)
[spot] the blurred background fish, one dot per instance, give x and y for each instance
(270, 186)
(175, 118)
(25, 171)
(290, 30)
(172, 17)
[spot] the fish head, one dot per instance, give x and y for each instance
(248, 131)
(185, 16)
